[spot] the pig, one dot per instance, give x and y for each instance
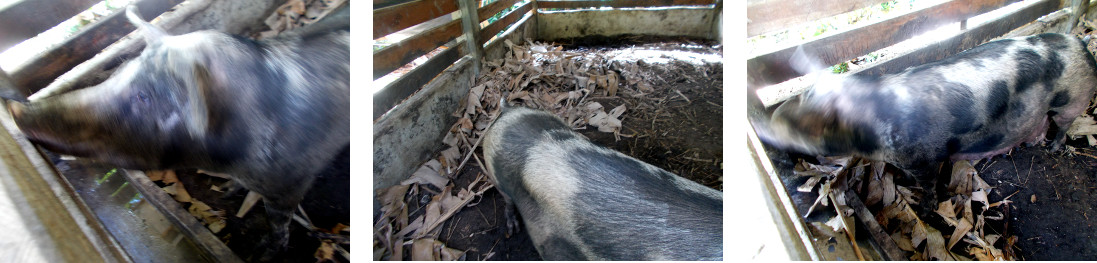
(581, 201)
(975, 104)
(271, 114)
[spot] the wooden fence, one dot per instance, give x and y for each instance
(454, 35)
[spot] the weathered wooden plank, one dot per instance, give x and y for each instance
(398, 90)
(694, 22)
(378, 4)
(78, 236)
(395, 56)
(621, 3)
(493, 28)
(772, 15)
(408, 135)
(24, 19)
(965, 40)
(891, 251)
(183, 220)
(494, 8)
(773, 68)
(399, 17)
(45, 67)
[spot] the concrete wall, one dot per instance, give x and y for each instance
(694, 22)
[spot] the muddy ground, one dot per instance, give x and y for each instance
(1059, 225)
(683, 137)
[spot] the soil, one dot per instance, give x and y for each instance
(1057, 226)
(326, 204)
(683, 137)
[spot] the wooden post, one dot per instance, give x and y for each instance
(1077, 9)
(470, 22)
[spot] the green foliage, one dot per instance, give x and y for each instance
(840, 68)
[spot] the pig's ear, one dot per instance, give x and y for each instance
(152, 33)
(200, 119)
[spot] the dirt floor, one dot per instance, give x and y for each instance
(326, 204)
(679, 135)
(1052, 198)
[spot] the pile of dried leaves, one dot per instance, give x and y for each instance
(297, 13)
(534, 75)
(966, 212)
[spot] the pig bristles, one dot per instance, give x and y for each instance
(151, 32)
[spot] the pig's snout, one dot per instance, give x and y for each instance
(16, 109)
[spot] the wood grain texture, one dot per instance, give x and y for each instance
(494, 28)
(398, 90)
(772, 15)
(966, 40)
(773, 68)
(621, 3)
(46, 67)
(397, 55)
(494, 8)
(399, 17)
(24, 19)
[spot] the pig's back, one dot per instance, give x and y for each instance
(989, 99)
(580, 201)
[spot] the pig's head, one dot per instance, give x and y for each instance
(820, 121)
(153, 112)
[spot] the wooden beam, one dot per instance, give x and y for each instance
(965, 40)
(891, 251)
(621, 3)
(773, 15)
(45, 67)
(470, 28)
(398, 90)
(399, 17)
(773, 68)
(494, 8)
(494, 28)
(24, 19)
(395, 56)
(183, 220)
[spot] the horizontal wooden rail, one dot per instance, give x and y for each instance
(494, 8)
(403, 87)
(966, 40)
(766, 16)
(399, 17)
(773, 68)
(45, 67)
(26, 18)
(494, 28)
(395, 56)
(621, 3)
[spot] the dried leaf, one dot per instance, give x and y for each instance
(155, 175)
(169, 177)
(902, 241)
(808, 185)
(946, 210)
(962, 172)
(935, 245)
(963, 227)
(423, 250)
(920, 233)
(326, 251)
(428, 173)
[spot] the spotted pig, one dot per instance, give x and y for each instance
(976, 104)
(580, 201)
